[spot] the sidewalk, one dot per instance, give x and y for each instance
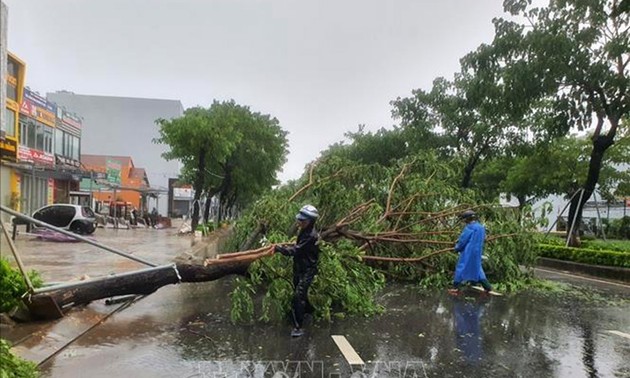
(38, 341)
(592, 282)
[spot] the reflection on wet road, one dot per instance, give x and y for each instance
(185, 331)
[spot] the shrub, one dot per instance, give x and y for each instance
(12, 285)
(13, 366)
(618, 228)
(608, 245)
(586, 256)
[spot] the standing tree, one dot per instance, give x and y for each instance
(572, 57)
(194, 139)
(225, 149)
(250, 169)
(463, 119)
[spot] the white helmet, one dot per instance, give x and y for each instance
(307, 212)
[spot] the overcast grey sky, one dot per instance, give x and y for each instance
(321, 67)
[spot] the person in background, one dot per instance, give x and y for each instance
(154, 217)
(305, 255)
(470, 247)
(134, 216)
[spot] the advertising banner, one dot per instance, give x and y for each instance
(34, 156)
(35, 106)
(183, 193)
(51, 191)
(70, 119)
(112, 167)
(62, 160)
(8, 149)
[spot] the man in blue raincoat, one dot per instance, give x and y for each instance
(470, 248)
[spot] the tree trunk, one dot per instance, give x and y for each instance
(600, 145)
(206, 210)
(209, 195)
(467, 175)
(140, 283)
(470, 167)
(224, 189)
(201, 170)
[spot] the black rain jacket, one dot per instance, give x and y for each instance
(305, 252)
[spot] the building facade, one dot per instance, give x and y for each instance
(67, 157)
(40, 147)
(36, 159)
(116, 180)
(9, 135)
(126, 126)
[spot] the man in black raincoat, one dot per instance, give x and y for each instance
(305, 254)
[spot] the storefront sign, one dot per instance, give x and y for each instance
(112, 168)
(37, 107)
(71, 120)
(183, 193)
(51, 191)
(68, 118)
(8, 149)
(62, 160)
(35, 156)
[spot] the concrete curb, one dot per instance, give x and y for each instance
(606, 272)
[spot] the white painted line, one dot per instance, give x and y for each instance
(347, 350)
(618, 333)
(582, 277)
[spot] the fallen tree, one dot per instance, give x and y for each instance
(399, 222)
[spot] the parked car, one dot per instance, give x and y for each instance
(76, 218)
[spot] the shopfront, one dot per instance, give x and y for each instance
(35, 152)
(9, 132)
(67, 154)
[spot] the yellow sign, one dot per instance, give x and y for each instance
(8, 149)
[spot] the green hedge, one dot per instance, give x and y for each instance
(609, 245)
(586, 256)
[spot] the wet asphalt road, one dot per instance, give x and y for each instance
(185, 331)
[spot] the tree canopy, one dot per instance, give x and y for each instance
(566, 65)
(225, 149)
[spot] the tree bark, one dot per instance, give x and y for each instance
(139, 283)
(209, 195)
(206, 210)
(600, 144)
(201, 170)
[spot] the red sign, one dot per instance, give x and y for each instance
(43, 115)
(28, 109)
(35, 156)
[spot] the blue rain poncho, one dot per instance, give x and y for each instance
(470, 247)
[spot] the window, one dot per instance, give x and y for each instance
(75, 148)
(59, 142)
(39, 135)
(12, 71)
(11, 91)
(9, 126)
(12, 68)
(48, 139)
(36, 135)
(23, 131)
(32, 130)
